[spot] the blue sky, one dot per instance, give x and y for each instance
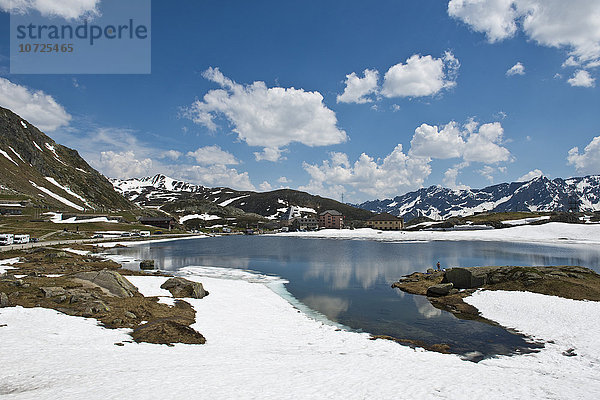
(367, 99)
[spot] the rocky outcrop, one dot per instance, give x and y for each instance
(53, 291)
(167, 331)
(181, 287)
(4, 300)
(110, 281)
(474, 277)
(147, 264)
(465, 278)
(442, 289)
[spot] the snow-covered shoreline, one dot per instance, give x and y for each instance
(129, 243)
(550, 233)
(260, 346)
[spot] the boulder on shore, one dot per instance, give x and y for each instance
(147, 264)
(4, 300)
(181, 287)
(466, 278)
(474, 277)
(442, 289)
(110, 281)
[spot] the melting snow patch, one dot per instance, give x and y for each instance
(57, 197)
(204, 217)
(228, 202)
(53, 150)
(525, 221)
(24, 124)
(550, 233)
(37, 147)
(5, 154)
(16, 154)
(7, 263)
(66, 189)
(79, 252)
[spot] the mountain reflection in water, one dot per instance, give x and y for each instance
(349, 281)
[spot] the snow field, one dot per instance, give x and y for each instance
(204, 217)
(553, 232)
(259, 346)
(7, 263)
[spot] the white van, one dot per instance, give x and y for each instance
(144, 233)
(21, 239)
(6, 239)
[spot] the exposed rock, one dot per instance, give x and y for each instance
(60, 299)
(147, 264)
(97, 306)
(474, 277)
(3, 300)
(110, 281)
(80, 296)
(569, 353)
(442, 289)
(430, 270)
(167, 332)
(59, 254)
(129, 314)
(181, 287)
(466, 278)
(53, 291)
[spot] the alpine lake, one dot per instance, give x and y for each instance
(349, 281)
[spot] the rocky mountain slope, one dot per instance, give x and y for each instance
(538, 195)
(172, 195)
(35, 167)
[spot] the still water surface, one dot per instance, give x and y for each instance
(349, 281)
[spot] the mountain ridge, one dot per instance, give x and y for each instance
(540, 194)
(160, 190)
(49, 174)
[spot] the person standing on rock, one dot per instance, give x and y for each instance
(438, 265)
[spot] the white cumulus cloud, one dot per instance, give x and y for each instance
(430, 141)
(517, 69)
(474, 142)
(530, 175)
(123, 164)
(485, 145)
(211, 155)
(67, 9)
(267, 117)
(171, 154)
(421, 76)
(35, 106)
(400, 172)
(215, 175)
(265, 187)
(103, 149)
(572, 25)
(488, 172)
(358, 88)
(397, 172)
(582, 78)
(496, 18)
(587, 162)
(451, 175)
(269, 154)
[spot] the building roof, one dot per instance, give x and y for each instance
(332, 212)
(384, 217)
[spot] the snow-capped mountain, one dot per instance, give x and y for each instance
(539, 194)
(172, 195)
(36, 168)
